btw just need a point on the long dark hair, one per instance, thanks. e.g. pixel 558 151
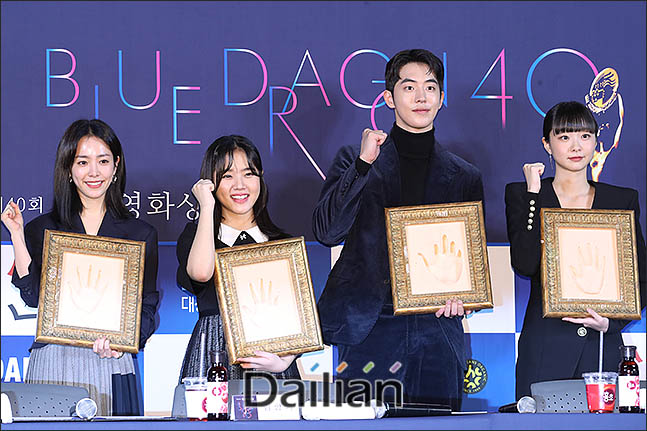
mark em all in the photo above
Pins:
pixel 566 117
pixel 218 159
pixel 67 203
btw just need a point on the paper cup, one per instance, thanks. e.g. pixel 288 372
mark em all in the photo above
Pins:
pixel 195 396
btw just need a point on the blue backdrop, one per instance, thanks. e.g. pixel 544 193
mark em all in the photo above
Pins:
pixel 301 79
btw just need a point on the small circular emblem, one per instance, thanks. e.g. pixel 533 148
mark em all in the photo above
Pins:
pixel 581 331
pixel 603 91
pixel 609 396
pixel 475 377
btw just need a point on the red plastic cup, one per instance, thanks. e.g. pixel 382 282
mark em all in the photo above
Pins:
pixel 600 391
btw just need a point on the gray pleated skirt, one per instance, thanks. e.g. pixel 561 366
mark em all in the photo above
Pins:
pixel 212 326
pixel 79 366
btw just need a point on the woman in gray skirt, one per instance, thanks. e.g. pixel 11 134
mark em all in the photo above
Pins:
pixel 89 182
pixel 232 196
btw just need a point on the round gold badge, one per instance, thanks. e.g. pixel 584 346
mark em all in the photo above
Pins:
pixel 475 377
pixel 604 90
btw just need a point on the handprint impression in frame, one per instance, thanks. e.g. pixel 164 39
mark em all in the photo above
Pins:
pixel 91 292
pixel 263 303
pixel 267 304
pixel 589 274
pixel 587 270
pixel 437 258
pixel 445 266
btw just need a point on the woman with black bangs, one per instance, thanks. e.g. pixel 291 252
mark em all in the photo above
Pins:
pixel 232 195
pixel 554 349
pixel 89 182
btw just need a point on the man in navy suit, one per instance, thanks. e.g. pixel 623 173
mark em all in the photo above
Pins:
pixel 406 167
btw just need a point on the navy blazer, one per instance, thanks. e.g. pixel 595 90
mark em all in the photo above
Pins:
pixel 351 210
pixel 130 228
pixel 549 348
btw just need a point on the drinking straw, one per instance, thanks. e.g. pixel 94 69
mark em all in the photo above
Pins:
pixel 600 355
pixel 203 343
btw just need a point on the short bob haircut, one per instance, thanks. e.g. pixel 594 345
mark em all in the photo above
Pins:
pixel 402 58
pixel 67 203
pixel 566 117
pixel 218 159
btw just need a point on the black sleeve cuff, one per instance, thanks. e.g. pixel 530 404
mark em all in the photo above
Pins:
pixel 361 166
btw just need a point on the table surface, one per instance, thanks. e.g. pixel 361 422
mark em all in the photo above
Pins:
pixel 571 421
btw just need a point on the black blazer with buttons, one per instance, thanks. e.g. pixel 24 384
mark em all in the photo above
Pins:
pixel 351 210
pixel 552 349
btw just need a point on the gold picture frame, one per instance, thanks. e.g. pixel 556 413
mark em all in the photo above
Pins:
pixel 78 304
pixel 266 299
pixel 589 260
pixel 438 252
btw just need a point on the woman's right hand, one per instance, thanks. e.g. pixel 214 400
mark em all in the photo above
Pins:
pixel 265 361
pixel 203 192
pixel 12 218
pixel 102 348
pixel 533 172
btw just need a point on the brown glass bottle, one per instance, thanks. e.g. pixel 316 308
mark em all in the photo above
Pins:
pixel 628 381
pixel 218 396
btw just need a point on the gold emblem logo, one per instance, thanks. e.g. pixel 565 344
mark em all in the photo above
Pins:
pixel 475 377
pixel 604 91
pixel 602 95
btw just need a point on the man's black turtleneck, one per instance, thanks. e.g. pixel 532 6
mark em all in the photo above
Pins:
pixel 415 151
